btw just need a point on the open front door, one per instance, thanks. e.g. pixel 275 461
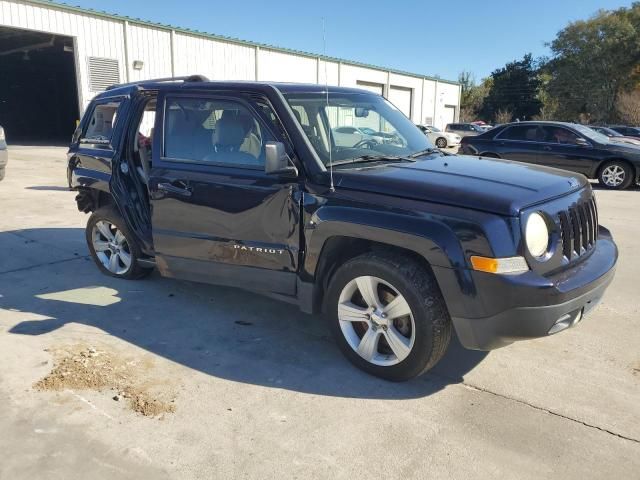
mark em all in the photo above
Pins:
pixel 216 216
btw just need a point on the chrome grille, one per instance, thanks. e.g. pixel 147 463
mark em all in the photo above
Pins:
pixel 578 228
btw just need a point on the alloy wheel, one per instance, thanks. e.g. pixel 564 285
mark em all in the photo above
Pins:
pixel 376 321
pixel 111 247
pixel 613 175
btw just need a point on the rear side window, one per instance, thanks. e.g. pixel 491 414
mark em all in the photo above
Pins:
pixel 526 133
pixel 100 128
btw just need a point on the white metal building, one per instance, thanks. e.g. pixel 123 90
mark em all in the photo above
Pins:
pixel 54 58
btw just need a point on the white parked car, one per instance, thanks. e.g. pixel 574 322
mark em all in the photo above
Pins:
pixel 439 138
pixel 352 136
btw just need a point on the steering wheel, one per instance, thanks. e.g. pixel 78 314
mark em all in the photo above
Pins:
pixel 365 143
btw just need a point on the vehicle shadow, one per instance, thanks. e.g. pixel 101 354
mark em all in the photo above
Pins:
pixel 223 332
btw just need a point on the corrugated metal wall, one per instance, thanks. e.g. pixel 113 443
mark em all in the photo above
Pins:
pixel 217 60
pixel 165 52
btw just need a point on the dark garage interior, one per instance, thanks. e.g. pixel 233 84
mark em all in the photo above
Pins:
pixel 38 89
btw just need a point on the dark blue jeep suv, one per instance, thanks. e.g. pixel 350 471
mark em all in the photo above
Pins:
pixel 244 184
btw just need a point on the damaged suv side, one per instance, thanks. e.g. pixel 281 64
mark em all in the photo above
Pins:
pixel 244 184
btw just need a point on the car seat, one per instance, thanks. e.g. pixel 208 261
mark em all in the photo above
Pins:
pixel 228 137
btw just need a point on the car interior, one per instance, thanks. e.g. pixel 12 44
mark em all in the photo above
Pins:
pixel 217 132
pixel 142 153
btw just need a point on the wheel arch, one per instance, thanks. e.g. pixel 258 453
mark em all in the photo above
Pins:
pixel 634 168
pixel 333 242
pixel 91 199
pixel 339 249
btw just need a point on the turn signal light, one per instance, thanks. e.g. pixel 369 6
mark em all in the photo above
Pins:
pixel 499 265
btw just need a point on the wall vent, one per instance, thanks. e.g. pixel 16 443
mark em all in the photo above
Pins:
pixel 103 72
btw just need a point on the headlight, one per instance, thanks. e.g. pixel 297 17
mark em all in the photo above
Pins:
pixel 537 235
pixel 1 134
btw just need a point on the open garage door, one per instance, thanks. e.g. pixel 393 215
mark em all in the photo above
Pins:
pixel 38 88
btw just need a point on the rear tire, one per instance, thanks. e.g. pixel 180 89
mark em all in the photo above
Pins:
pixel 112 246
pixel 616 175
pixel 441 142
pixel 395 342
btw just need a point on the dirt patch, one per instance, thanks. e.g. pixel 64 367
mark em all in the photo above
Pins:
pixel 635 368
pixel 89 368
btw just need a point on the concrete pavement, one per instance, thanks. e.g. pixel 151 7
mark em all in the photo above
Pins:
pixel 260 389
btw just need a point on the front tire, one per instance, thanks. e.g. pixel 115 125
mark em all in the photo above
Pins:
pixel 441 142
pixel 615 175
pixel 388 316
pixel 112 246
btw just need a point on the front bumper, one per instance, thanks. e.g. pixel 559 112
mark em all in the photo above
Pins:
pixel 529 306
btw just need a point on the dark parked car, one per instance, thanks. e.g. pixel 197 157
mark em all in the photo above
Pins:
pixel 464 129
pixel 398 244
pixel 561 145
pixel 3 153
pixel 626 131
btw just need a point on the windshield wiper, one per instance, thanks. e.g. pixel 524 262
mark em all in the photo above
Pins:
pixel 426 151
pixel 372 158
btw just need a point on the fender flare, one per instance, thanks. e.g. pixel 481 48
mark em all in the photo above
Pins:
pixel 427 236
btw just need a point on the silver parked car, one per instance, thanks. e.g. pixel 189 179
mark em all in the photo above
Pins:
pixel 464 129
pixel 3 153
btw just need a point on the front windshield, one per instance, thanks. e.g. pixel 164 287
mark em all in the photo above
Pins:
pixel 434 129
pixel 608 132
pixel 591 134
pixel 336 128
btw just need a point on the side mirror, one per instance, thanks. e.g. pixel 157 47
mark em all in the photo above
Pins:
pixel 277 162
pixel 581 142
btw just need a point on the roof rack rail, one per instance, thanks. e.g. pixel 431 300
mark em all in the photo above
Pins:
pixel 187 78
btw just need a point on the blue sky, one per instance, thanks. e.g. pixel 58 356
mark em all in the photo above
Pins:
pixel 428 37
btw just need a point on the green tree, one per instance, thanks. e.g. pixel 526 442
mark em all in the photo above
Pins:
pixel 472 96
pixel 514 89
pixel 593 61
pixel 549 103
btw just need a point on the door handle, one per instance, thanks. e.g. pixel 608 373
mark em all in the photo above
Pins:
pixel 183 190
pixel 547 148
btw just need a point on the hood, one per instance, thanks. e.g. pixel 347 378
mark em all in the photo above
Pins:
pixel 493 185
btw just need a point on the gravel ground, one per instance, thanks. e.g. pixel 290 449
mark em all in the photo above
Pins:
pixel 252 388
